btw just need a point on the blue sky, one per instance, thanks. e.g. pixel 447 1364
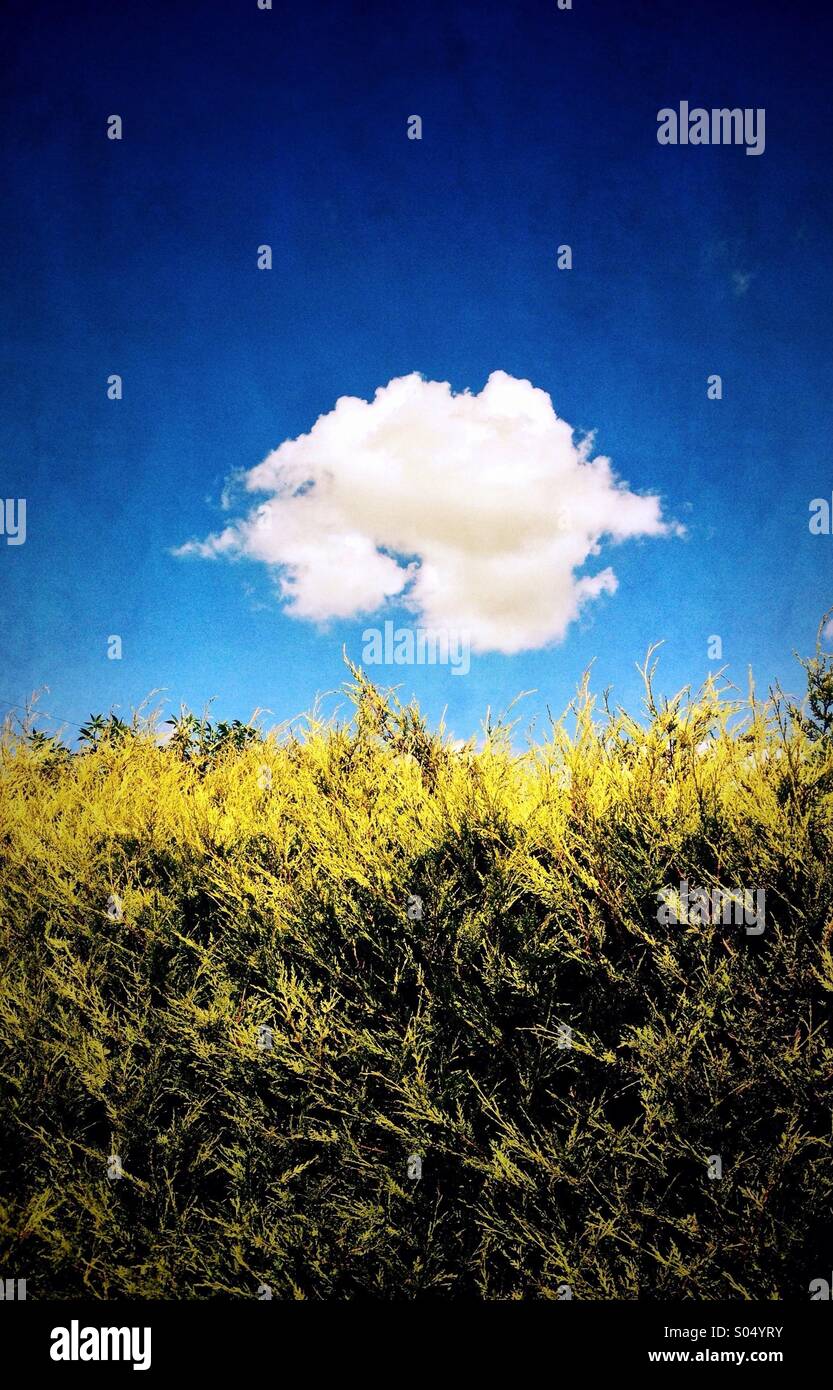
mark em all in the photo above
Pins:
pixel 391 256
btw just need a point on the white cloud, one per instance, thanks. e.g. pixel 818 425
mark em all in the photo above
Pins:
pixel 474 511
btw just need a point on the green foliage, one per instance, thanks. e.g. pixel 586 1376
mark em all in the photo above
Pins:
pixel 818 722
pixel 281 901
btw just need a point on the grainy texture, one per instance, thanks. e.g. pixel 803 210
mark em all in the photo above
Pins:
pixel 286 905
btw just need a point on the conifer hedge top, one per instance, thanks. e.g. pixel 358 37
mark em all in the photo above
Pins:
pixel 353 1011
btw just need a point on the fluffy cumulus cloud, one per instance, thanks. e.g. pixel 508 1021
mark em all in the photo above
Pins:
pixel 477 512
